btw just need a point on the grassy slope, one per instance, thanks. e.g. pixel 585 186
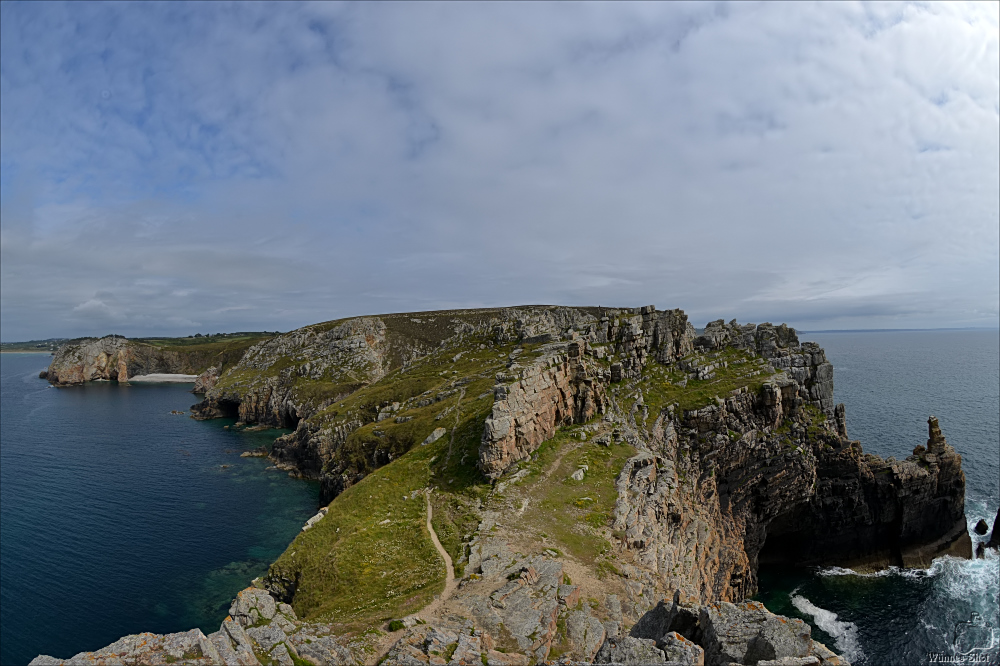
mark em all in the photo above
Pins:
pixel 562 512
pixel 372 570
pixel 371 558
pixel 198 354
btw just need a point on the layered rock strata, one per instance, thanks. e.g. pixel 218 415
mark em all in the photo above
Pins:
pixel 556 389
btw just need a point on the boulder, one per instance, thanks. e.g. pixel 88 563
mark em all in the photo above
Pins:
pixel 435 436
pixel 982 527
pixel 679 650
pixel 630 651
pixel 251 605
pixel 267 636
pixel 747 633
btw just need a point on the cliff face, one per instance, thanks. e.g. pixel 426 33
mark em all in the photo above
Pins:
pixel 90 359
pixel 118 358
pixel 297 380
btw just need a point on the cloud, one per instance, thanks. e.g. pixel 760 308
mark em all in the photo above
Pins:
pixel 210 166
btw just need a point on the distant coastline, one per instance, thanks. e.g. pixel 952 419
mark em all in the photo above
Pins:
pixel 898 330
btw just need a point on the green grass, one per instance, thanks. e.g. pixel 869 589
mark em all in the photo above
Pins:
pixel 210 342
pixel 660 388
pixel 572 513
pixel 196 355
pixel 368 570
pixel 353 567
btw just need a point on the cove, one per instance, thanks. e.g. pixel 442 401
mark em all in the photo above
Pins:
pixel 119 517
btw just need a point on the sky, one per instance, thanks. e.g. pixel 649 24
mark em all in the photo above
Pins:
pixel 176 168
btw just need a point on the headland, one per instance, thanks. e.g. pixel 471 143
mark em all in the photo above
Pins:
pixel 604 481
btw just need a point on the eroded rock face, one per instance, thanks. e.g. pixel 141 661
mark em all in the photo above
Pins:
pixel 116 358
pixel 555 389
pixel 702 508
pixel 206 381
pixel 90 359
pixel 561 387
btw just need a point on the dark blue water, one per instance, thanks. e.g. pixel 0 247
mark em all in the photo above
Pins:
pixel 890 382
pixel 118 517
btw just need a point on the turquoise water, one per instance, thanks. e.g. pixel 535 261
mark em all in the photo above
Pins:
pixel 118 517
pixel 890 382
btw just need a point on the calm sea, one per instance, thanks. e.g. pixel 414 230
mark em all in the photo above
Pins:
pixel 890 382
pixel 118 517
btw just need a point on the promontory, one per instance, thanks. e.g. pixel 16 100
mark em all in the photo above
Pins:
pixel 547 484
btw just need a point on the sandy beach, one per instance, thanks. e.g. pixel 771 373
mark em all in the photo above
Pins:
pixel 163 377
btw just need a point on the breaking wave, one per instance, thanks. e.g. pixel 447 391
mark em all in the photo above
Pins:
pixel 844 633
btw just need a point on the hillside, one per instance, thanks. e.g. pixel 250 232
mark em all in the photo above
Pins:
pixel 602 484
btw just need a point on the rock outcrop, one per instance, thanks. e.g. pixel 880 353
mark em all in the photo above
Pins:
pixel 206 381
pixel 92 359
pixel 555 389
pixel 720 491
pixel 117 358
pixel 259 630
pixel 994 541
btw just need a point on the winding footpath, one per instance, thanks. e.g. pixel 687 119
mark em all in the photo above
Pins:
pixel 449 582
pixel 388 640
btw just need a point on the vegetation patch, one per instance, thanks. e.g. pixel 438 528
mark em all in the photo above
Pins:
pixel 371 556
pixel 573 513
pixel 662 386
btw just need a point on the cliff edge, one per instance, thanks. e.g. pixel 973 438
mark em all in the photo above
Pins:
pixel 605 482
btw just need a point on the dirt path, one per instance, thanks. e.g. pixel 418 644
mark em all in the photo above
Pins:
pixel 449 582
pixel 388 640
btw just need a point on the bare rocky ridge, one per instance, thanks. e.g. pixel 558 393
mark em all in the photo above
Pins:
pixel 607 483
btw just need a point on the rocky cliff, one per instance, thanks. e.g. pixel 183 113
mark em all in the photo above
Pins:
pixel 551 484
pixel 117 358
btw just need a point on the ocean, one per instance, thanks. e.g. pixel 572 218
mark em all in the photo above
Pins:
pixel 890 382
pixel 119 517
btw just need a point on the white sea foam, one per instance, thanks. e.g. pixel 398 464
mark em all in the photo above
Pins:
pixel 889 571
pixel 969 579
pixel 845 634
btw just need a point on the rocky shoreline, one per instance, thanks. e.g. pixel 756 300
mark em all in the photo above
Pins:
pixel 730 453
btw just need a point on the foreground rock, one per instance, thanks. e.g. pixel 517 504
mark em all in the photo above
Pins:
pixel 261 631
pixel 257 631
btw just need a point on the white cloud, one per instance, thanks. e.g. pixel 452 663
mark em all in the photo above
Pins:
pixel 270 166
